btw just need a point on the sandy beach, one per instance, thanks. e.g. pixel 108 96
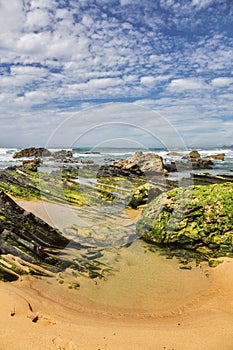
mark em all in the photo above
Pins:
pixel 192 310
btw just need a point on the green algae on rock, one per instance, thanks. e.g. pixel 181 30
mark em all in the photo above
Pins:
pixel 196 217
pixel 28 245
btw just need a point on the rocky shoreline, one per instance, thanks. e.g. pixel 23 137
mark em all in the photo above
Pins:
pixel 139 181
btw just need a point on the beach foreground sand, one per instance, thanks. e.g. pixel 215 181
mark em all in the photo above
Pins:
pixel 38 315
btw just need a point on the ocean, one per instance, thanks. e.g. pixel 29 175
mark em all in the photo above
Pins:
pixel 102 156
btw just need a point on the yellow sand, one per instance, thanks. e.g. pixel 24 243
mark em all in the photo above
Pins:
pixel 140 307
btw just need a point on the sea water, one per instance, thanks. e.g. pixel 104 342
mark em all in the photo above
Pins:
pixel 101 156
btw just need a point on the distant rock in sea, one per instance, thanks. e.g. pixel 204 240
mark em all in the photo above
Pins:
pixel 32 152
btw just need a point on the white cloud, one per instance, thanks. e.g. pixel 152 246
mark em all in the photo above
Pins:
pixel 222 81
pixel 42 4
pixel 37 19
pixel 202 3
pixel 149 80
pixel 11 16
pixel 57 57
pixel 187 84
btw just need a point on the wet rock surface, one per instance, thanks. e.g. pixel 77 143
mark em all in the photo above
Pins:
pixel 25 241
pixel 28 245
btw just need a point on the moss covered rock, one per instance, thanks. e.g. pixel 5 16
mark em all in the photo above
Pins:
pixel 191 217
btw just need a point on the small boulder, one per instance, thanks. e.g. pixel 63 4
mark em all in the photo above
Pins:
pixel 87 161
pixel 32 165
pixel 62 155
pixel 192 155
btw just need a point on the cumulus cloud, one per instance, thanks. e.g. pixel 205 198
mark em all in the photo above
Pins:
pixel 222 81
pixel 57 57
pixel 187 84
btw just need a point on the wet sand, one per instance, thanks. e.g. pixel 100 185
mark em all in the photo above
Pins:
pixel 147 303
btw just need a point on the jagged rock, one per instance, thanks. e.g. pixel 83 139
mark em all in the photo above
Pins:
pixel 220 156
pixel 147 162
pixel 27 226
pixel 62 155
pixel 192 155
pixel 170 167
pixel 68 160
pixel 115 171
pixel 191 217
pixel 27 243
pixel 196 162
pixel 32 152
pixel 32 165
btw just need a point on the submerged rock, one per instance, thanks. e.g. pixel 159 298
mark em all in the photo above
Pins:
pixel 192 217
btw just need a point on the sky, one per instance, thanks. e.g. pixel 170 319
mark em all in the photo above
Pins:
pixel 116 72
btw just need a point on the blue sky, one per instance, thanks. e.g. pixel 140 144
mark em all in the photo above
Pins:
pixel 116 70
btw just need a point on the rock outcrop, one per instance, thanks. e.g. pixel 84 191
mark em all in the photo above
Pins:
pixel 32 152
pixel 27 243
pixel 32 164
pixel 27 226
pixel 196 217
pixel 192 160
pixel 197 162
pixel 220 156
pixel 148 163
pixel 62 155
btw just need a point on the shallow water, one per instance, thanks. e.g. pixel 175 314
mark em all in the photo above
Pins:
pixel 137 279
pixel 144 282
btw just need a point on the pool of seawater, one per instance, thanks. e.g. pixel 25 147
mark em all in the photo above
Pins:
pixel 137 280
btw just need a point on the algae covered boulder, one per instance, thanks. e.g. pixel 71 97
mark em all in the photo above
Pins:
pixel 193 217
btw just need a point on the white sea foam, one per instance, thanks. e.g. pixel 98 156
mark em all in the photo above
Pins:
pixel 105 155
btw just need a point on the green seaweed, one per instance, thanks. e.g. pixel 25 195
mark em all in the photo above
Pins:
pixel 193 217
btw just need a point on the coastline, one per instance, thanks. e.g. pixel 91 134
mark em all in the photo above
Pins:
pixel 146 301
pixel 33 311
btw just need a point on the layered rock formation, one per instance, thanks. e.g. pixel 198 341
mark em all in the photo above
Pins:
pixel 27 243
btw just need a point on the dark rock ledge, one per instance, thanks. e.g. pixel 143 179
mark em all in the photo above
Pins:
pixel 26 237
